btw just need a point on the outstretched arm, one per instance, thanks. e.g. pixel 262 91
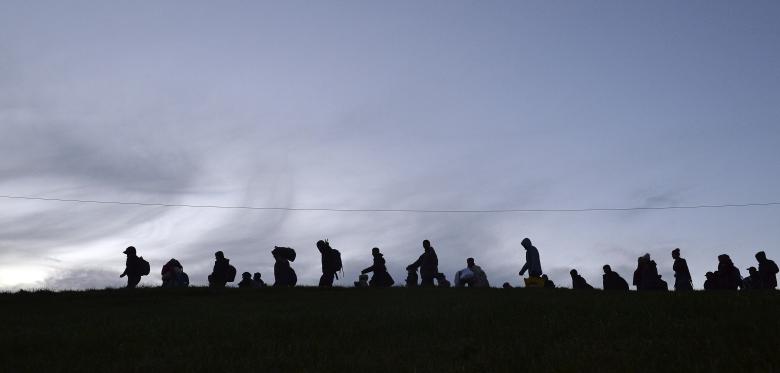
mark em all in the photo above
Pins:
pixel 415 265
pixel 369 269
pixel 525 268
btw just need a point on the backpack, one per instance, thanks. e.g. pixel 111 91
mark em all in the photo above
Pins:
pixel 143 266
pixel 230 275
pixel 333 262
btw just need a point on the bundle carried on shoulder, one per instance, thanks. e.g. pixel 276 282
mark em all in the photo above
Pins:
pixel 284 252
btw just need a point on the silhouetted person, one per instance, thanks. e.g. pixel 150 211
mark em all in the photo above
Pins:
pixel 441 280
pixel 532 263
pixel 548 283
pixel 728 275
pixel 380 278
pixel 682 276
pixel 246 281
pixel 257 280
pixel 646 275
pixel 331 263
pixel 133 268
pixel 428 263
pixel 411 278
pixel 220 274
pixel 767 271
pixel 612 280
pixel 578 282
pixel 362 281
pixel 472 276
pixel 711 282
pixel 284 275
pixel 753 280
pixel 173 275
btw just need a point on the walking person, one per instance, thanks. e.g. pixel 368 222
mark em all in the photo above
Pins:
pixel 682 276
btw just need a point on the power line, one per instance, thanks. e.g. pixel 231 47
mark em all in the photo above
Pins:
pixel 420 211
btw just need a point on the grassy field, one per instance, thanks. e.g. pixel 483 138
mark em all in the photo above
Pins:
pixel 393 330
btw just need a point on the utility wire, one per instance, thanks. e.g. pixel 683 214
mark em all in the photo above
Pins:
pixel 420 211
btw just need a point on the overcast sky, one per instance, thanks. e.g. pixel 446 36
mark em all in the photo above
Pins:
pixel 389 105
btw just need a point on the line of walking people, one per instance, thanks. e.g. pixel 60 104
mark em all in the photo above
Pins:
pixel 645 277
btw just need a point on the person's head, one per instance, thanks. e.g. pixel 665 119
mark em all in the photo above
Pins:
pixel 724 259
pixel 321 244
pixel 426 244
pixel 761 256
pixel 470 262
pixel 246 276
pixel 526 243
pixel 257 276
pixel 607 268
pixel 753 271
pixel 219 255
pixel 375 251
pixel 544 277
pixel 130 250
pixel 573 272
pixel 709 275
pixel 676 253
pixel 440 276
pixel 646 257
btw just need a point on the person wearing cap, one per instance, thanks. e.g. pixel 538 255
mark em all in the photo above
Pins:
pixel 532 263
pixel 132 268
pixel 753 280
pixel 682 276
pixel 767 271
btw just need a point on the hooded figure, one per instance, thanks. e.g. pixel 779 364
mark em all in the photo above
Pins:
pixel 132 268
pixel 682 276
pixel 284 275
pixel 532 263
pixel 711 281
pixel 767 271
pixel 380 278
pixel 428 263
pixel 257 280
pixel 728 275
pixel 613 281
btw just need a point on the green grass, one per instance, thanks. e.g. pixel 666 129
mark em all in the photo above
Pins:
pixel 393 330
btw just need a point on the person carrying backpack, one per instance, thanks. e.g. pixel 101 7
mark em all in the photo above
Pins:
pixel 767 271
pixel 331 263
pixel 223 272
pixel 380 278
pixel 135 267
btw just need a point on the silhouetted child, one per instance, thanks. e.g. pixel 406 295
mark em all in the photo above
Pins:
pixel 578 282
pixel 411 278
pixel 284 275
pixel 246 281
pixel 362 281
pixel 753 281
pixel 711 282
pixel 548 283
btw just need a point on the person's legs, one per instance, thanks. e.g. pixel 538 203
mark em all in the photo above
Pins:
pixel 132 281
pixel 427 281
pixel 326 280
